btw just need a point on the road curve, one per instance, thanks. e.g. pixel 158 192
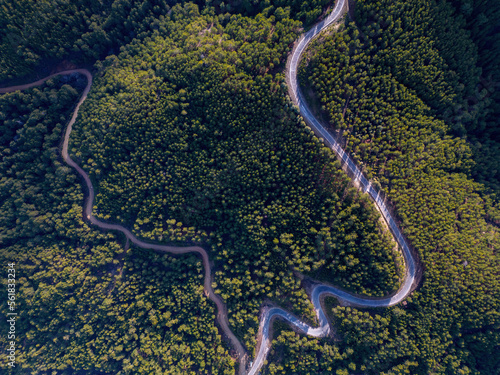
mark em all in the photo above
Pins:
pixel 318 290
pixel 87 211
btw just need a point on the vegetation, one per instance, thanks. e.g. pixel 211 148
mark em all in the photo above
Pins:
pixel 483 131
pixel 172 158
pixel 189 137
pixel 386 82
pixel 85 30
pixel 83 301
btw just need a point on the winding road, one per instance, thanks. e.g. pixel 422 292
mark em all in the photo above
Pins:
pixel 319 290
pixel 87 212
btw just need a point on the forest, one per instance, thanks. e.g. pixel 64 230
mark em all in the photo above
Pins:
pixel 39 34
pixel 86 301
pixel 189 137
pixel 254 184
pixel 389 94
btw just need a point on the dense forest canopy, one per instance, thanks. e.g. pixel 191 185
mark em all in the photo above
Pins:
pixel 196 140
pixel 84 30
pixel 400 99
pixel 84 301
pixel 189 137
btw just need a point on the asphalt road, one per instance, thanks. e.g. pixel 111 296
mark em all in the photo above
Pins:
pixel 320 290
